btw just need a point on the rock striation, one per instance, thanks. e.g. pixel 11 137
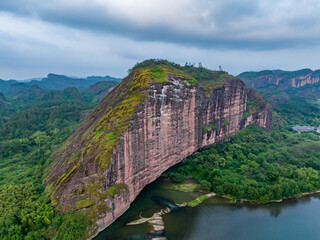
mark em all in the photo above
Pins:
pixel 280 86
pixel 156 117
pixel 280 80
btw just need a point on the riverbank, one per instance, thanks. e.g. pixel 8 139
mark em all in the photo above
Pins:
pixel 232 200
pixel 197 201
pixel 156 221
pixel 188 186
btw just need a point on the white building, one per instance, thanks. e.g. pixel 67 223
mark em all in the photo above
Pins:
pixel 304 129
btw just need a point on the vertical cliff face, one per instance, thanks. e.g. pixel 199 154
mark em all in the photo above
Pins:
pixel 280 79
pixel 108 161
pixel 301 81
pixel 280 86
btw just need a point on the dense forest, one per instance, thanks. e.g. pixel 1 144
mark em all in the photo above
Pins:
pixel 256 165
pixel 259 165
pixel 38 122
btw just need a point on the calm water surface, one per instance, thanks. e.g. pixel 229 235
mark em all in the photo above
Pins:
pixel 217 219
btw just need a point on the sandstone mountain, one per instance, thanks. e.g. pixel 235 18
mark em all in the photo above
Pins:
pixel 157 116
pixel 279 86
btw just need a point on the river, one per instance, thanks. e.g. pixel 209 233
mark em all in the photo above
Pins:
pixel 216 218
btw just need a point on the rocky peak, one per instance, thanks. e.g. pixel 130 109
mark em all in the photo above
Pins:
pixel 157 116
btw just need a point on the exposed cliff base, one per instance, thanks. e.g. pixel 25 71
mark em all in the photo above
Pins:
pixel 154 118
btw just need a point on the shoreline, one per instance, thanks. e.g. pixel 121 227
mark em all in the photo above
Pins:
pixel 157 224
pixel 157 215
pixel 197 201
pixel 271 201
pixel 230 198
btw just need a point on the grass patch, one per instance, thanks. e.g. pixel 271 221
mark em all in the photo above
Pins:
pixel 197 201
pixel 158 74
pixel 185 187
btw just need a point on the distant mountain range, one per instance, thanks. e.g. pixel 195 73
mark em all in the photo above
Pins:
pixel 52 90
pixel 279 86
pixel 11 88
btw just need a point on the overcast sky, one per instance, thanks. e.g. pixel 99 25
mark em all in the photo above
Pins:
pixel 107 37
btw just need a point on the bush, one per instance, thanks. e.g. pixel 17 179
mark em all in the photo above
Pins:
pixel 205 186
pixel 178 178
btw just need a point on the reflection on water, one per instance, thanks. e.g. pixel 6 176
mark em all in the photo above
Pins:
pixel 218 219
pixel 153 198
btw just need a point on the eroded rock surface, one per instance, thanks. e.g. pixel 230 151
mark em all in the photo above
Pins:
pixel 173 120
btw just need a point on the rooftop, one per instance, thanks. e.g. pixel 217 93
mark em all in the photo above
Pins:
pixel 305 129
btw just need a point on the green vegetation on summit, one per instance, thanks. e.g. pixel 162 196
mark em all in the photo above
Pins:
pixel 205 78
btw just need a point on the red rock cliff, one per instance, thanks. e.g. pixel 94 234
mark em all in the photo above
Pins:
pixel 172 121
pixel 280 79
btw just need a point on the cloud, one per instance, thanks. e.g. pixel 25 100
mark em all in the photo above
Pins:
pixel 85 37
pixel 230 24
pixel 31 47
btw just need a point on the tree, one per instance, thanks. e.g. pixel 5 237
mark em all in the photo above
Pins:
pixel 40 138
pixel 205 186
pixel 74 227
pixel 178 178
